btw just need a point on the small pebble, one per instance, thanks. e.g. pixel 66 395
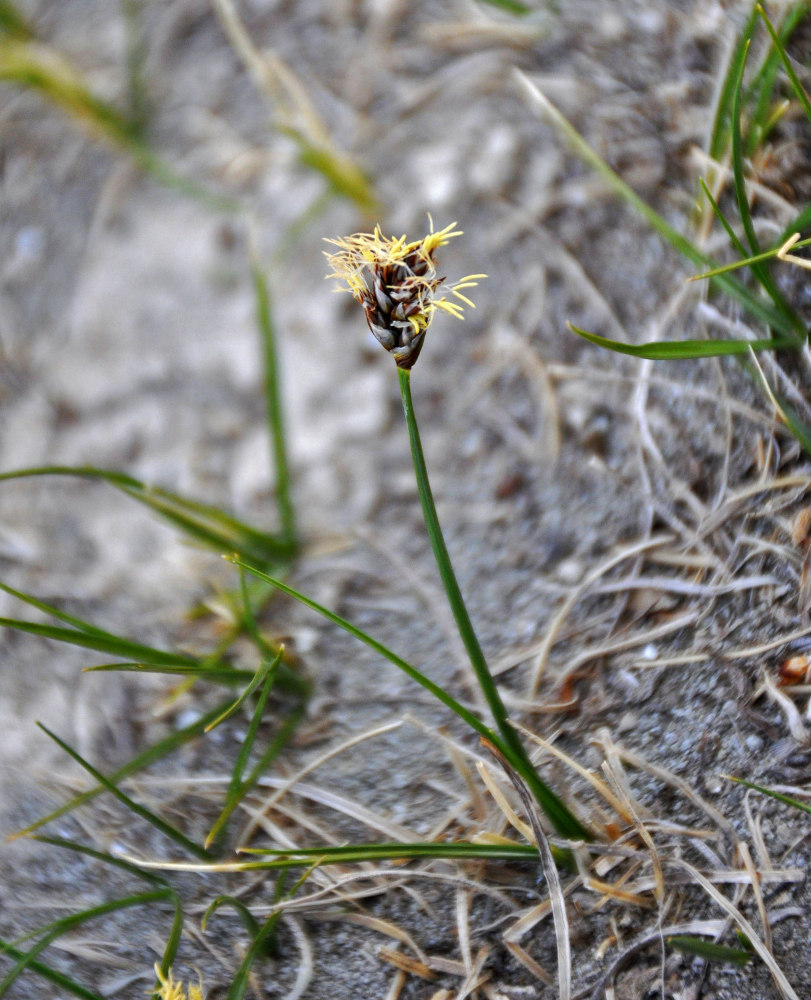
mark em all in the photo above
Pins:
pixel 714 784
pixel 570 570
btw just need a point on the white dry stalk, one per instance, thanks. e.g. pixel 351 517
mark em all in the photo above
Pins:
pixel 574 663
pixel 475 978
pixel 463 927
pixel 675 586
pixel 556 895
pixel 783 253
pixel 637 761
pixel 793 717
pixel 304 968
pixel 612 768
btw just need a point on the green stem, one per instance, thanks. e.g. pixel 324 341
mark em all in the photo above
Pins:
pixel 275 409
pixel 510 743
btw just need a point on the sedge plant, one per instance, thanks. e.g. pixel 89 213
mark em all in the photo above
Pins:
pixel 396 283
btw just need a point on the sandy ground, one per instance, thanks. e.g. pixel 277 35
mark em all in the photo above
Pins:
pixel 129 342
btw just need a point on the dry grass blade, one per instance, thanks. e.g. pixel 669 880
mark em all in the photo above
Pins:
pixel 748 864
pixel 600 989
pixel 305 965
pixel 313 765
pixel 413 966
pixel 501 801
pixel 616 776
pixel 594 780
pixel 535 968
pixel 794 719
pixel 626 552
pixel 782 983
pixel 295 111
pixel 638 761
pixel 556 896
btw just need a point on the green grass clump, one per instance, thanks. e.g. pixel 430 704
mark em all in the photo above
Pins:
pixel 747 113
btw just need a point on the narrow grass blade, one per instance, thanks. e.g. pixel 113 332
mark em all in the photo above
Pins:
pixel 172 939
pixel 275 410
pixel 55 930
pixel 472 720
pixel 262 942
pixel 281 739
pixel 247 618
pixel 739 185
pixel 353 853
pixel 264 675
pixel 59 979
pixel 295 113
pixel 733 238
pixel 759 270
pixel 28 63
pixel 800 10
pixel 239 788
pixel 39 67
pixel 344 177
pixel 719 138
pixel 258 946
pixel 77 623
pixel 710 951
pixel 787 799
pixel 565 822
pixel 134 807
pixel 251 924
pixel 760 94
pixel 671 350
pixel 115 646
pixel 511 6
pixel 557 900
pixel 202 522
pixel 798 427
pixel 156 752
pixel 228 676
pixel 746 261
pixel 135 55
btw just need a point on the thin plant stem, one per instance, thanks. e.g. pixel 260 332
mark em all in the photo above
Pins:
pixel 559 815
pixel 275 409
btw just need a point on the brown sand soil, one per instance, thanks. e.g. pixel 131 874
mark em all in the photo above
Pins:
pixel 624 525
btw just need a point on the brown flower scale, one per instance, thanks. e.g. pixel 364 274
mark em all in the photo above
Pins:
pixel 396 283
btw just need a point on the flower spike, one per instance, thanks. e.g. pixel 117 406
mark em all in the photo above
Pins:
pixel 396 282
